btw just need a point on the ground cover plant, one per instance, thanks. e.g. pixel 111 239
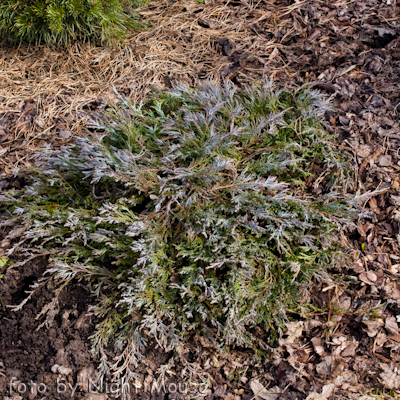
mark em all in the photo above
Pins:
pixel 202 211
pixel 59 21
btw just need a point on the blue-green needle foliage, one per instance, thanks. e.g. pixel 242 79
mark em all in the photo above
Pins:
pixel 59 21
pixel 192 213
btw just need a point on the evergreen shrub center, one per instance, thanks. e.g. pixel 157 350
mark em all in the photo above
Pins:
pixel 205 211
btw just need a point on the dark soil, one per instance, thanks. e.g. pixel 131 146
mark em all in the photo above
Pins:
pixel 27 353
pixel 352 52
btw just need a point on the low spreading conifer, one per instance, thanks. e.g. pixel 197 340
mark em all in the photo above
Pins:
pixel 204 211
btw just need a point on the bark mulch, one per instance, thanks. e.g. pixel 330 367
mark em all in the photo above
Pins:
pixel 349 346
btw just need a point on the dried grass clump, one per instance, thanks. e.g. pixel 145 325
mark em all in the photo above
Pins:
pixel 191 214
pixel 66 86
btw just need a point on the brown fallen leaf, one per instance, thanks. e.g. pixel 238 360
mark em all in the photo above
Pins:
pixel 343 302
pixel 390 376
pixel 325 367
pixel 371 278
pixel 392 290
pixel 220 391
pixel 368 277
pixel 391 325
pixel 373 203
pixel 380 340
pixel 327 392
pixel 294 330
pixel 318 345
pixel 316 396
pixel 358 266
pixel 373 326
pixel 350 350
pixel 260 392
pixel 363 151
pixel 396 338
pixel 367 160
pixel 385 161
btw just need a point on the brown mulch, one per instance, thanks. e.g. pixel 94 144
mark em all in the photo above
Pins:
pixel 350 344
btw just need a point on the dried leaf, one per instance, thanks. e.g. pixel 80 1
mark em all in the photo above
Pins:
pixel 390 377
pixel 327 392
pixel 294 331
pixel 373 326
pixel 368 277
pixel 318 345
pixel 260 392
pixel 381 339
pixel 350 350
pixel 371 277
pixel 326 366
pixel 358 266
pixel 316 396
pixel 391 325
pixel 385 161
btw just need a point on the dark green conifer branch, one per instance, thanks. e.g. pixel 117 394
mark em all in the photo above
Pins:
pixel 59 21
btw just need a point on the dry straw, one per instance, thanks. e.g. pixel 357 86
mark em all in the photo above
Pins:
pixel 180 43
